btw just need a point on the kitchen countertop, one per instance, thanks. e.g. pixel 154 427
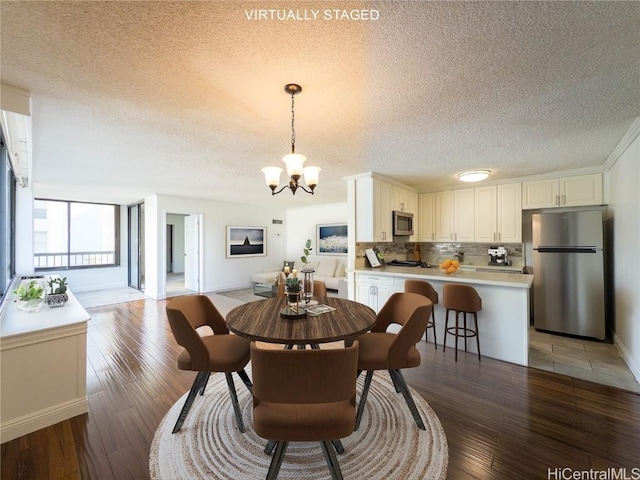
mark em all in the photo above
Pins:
pixel 512 280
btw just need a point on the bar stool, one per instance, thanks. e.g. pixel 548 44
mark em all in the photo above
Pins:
pixel 461 299
pixel 425 289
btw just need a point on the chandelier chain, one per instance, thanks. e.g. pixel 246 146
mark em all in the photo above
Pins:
pixel 293 127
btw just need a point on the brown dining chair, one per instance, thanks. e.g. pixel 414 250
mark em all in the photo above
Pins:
pixel 425 289
pixel 304 396
pixel 381 350
pixel 220 352
pixel 319 289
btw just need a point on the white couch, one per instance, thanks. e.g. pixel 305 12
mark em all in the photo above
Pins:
pixel 329 271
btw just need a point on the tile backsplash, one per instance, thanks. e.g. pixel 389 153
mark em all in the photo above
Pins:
pixel 430 251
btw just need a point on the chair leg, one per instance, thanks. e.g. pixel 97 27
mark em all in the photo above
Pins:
pixel 475 317
pixel 198 383
pixel 332 460
pixel 433 325
pixel 204 384
pixel 446 327
pixel 394 382
pixel 276 461
pixel 363 398
pixel 288 347
pixel 408 398
pixel 337 444
pixel 246 380
pixel 464 315
pixel 234 401
pixel 268 448
pixel 457 333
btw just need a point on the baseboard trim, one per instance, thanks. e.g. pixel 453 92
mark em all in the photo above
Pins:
pixel 627 357
pixel 43 418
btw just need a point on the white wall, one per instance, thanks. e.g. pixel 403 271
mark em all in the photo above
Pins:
pixel 301 225
pixel 624 205
pixel 220 273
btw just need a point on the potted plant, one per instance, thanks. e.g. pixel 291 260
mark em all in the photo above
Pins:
pixel 57 295
pixel 293 289
pixel 30 295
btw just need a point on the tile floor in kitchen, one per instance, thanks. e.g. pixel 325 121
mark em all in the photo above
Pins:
pixel 596 361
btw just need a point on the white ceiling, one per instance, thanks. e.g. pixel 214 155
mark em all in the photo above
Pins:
pixel 186 98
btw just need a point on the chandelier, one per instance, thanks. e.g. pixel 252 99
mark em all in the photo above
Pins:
pixel 294 161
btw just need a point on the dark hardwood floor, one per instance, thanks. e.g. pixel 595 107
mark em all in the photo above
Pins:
pixel 502 421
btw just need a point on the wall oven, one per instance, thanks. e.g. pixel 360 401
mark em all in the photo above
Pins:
pixel 402 223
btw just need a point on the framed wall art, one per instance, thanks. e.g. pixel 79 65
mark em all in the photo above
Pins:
pixel 331 239
pixel 246 242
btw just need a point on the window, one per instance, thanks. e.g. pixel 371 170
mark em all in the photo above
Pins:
pixel 7 220
pixel 75 235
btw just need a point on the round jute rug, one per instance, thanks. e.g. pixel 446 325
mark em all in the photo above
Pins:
pixel 388 444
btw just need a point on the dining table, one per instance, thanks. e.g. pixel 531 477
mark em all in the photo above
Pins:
pixel 262 321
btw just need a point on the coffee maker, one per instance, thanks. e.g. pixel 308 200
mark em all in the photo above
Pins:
pixel 497 256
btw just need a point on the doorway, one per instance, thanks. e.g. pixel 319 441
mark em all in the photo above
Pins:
pixel 182 240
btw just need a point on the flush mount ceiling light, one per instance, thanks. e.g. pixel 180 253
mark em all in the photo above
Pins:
pixel 294 161
pixel 473 176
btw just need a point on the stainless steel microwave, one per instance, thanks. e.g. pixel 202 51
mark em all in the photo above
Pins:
pixel 402 223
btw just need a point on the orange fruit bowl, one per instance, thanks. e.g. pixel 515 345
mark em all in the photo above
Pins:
pixel 449 266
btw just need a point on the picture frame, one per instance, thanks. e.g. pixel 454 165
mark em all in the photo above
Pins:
pixel 246 241
pixel 331 239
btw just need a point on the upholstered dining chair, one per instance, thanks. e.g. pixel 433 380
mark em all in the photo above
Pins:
pixel 220 352
pixel 319 289
pixel 382 350
pixel 425 289
pixel 304 396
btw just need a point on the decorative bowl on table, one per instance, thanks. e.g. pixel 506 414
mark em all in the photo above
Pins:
pixel 449 266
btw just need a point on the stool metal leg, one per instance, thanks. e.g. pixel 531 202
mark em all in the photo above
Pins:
pixel 475 317
pixel 433 325
pixel 446 327
pixel 464 314
pixel 457 333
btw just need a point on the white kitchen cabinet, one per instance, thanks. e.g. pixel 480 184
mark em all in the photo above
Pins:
pixel 374 290
pixel 455 216
pixel 464 215
pixel 413 203
pixel 382 212
pixel 444 221
pixel 572 191
pixel 498 213
pixel 374 212
pixel 427 232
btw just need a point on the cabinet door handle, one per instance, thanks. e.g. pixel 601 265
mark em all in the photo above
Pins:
pixel 557 199
pixel 564 199
pixel 433 236
pixel 499 236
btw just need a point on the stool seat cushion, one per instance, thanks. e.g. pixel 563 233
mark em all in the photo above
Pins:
pixel 376 353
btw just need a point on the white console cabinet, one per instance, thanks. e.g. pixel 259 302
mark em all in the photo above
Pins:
pixel 43 357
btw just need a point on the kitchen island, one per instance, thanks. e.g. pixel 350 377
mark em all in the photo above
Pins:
pixel 43 356
pixel 503 321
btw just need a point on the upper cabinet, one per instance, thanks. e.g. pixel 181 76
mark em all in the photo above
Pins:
pixel 498 214
pixel 454 216
pixel 563 192
pixel 374 211
pixel 427 232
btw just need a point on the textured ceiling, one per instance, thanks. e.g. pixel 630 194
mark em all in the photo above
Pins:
pixel 185 98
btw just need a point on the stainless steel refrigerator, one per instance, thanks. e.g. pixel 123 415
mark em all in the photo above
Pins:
pixel 568 268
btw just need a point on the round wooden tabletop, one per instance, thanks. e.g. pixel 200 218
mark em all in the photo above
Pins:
pixel 261 321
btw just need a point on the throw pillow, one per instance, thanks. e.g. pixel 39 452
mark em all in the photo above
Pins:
pixel 326 268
